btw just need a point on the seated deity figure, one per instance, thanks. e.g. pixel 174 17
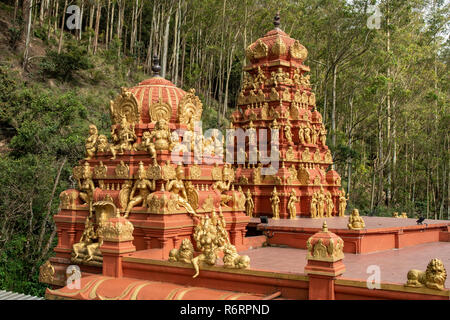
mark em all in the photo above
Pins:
pixel 124 137
pixel 177 187
pixel 291 205
pixel 93 249
pixel 86 186
pixel 104 146
pixel 161 136
pixel 146 144
pixel 143 186
pixel 355 222
pixel 86 238
pixel 91 142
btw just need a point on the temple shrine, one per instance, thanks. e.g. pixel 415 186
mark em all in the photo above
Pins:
pixel 160 213
pixel 276 94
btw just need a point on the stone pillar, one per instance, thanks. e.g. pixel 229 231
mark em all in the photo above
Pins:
pixel 325 255
pixel 117 241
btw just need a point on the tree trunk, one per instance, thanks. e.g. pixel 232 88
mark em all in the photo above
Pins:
pixel 97 25
pixel 28 4
pixel 165 46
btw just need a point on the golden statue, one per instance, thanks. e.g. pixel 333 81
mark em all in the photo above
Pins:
pixel 146 145
pixel 275 201
pixel 395 215
pixel 144 186
pixel 124 137
pixel 104 146
pixel 287 132
pixel 434 277
pixel 404 215
pixel 162 135
pixel 184 254
pixel 307 134
pixel 355 222
pixel 86 186
pixel 314 206
pixel 291 205
pixel 329 205
pixel 323 135
pixel 320 203
pixel 231 259
pixel 87 249
pixel 91 142
pixel 249 204
pixel 176 186
pixel 342 203
pixel 301 135
pixel 211 236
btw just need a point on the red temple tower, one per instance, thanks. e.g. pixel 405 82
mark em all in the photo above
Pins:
pixel 276 94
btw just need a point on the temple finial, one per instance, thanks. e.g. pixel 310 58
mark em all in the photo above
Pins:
pixel 276 20
pixel 156 68
pixel 324 226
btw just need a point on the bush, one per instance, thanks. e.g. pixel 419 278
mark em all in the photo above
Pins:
pixel 64 65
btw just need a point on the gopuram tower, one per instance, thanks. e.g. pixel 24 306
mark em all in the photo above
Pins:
pixel 276 94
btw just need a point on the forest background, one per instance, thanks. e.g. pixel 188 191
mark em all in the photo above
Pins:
pixel 383 91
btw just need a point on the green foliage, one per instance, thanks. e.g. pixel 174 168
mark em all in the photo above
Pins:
pixel 64 65
pixel 14 36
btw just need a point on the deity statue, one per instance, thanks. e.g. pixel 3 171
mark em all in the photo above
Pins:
pixel 124 136
pixel 291 205
pixel 176 186
pixel 162 136
pixel 320 204
pixel 355 222
pixel 314 135
pixel 329 204
pixel 404 215
pixel 146 144
pixel 143 186
pixel 395 215
pixel 323 135
pixel 91 142
pixel 275 201
pixel 307 134
pixel 279 77
pixel 104 146
pixel 314 206
pixel 87 238
pixel 86 186
pixel 287 133
pixel 301 135
pixel 249 204
pixel 87 248
pixel 342 203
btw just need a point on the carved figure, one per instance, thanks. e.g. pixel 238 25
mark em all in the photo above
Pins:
pixel 275 201
pixel 249 204
pixel 143 186
pixel 91 142
pixel 184 254
pixel 291 205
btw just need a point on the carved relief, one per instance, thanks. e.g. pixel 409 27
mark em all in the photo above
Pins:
pixel 125 105
pixel 190 108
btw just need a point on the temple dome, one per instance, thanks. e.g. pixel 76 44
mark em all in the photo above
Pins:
pixel 276 44
pixel 155 99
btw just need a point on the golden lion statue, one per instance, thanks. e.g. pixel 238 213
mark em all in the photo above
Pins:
pixel 232 259
pixel 184 254
pixel 434 277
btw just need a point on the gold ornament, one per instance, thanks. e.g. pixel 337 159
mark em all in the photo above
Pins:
pixel 143 187
pixel 190 108
pixel 160 111
pixel 279 47
pixel 195 172
pixel 122 170
pixel 298 51
pixel 118 231
pixel 46 272
pixel 258 51
pixel 91 142
pixel 100 171
pixel 125 106
pixel 184 254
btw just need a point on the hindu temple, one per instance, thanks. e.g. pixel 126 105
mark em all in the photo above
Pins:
pixel 159 212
